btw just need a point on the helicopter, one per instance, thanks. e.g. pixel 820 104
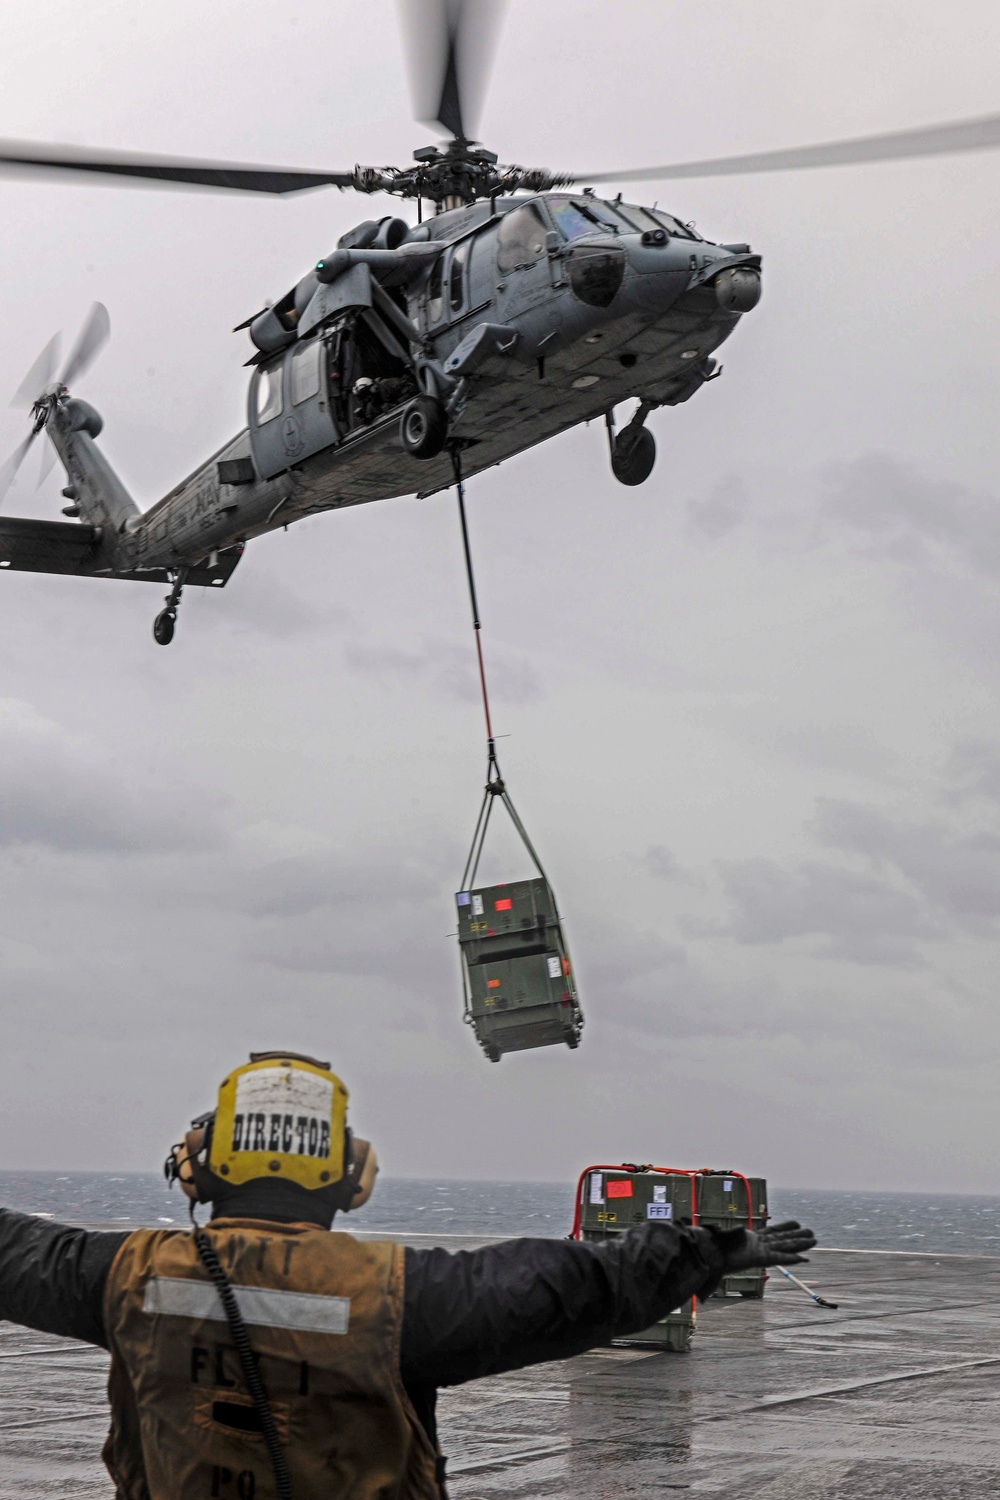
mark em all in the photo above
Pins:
pixel 415 354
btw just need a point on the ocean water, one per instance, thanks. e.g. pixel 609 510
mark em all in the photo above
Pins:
pixel 936 1222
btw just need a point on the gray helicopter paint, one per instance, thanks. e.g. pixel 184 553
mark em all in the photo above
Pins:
pixel 664 313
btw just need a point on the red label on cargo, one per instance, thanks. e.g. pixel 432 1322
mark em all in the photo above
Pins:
pixel 620 1188
pixel 504 905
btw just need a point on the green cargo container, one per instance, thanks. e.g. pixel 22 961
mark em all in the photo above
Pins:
pixel 516 971
pixel 729 1200
pixel 612 1199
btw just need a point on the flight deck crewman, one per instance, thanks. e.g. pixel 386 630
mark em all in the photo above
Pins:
pixel 264 1356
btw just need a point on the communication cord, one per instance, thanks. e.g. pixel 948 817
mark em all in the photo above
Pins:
pixel 247 1359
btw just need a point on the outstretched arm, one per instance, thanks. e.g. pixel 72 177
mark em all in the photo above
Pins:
pixel 480 1312
pixel 52 1277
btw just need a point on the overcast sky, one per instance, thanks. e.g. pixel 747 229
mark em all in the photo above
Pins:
pixel 751 706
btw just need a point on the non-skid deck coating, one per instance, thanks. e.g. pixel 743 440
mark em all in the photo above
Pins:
pixel 897 1394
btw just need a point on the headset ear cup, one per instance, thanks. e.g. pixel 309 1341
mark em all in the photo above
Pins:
pixel 195 1179
pixel 364 1170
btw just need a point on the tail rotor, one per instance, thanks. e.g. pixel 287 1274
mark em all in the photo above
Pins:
pixel 41 391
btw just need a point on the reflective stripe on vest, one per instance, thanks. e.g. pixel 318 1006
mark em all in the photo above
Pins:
pixel 259 1305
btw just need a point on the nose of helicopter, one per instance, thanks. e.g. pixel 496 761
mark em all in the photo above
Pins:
pixel 659 271
pixel 663 268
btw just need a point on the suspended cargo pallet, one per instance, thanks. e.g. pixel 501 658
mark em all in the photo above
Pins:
pixel 517 978
pixel 610 1200
pixel 516 971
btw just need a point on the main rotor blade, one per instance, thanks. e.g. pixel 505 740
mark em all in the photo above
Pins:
pixel 13 463
pixel 93 336
pixel 450 44
pixel 40 161
pixel 41 374
pixel 932 140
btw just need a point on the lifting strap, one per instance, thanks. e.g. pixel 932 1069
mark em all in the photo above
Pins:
pixel 495 784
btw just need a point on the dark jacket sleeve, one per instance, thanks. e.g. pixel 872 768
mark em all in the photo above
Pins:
pixel 479 1312
pixel 52 1277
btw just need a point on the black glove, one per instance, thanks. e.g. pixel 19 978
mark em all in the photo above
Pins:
pixel 777 1245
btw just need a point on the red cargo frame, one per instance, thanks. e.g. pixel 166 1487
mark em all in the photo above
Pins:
pixel 631 1167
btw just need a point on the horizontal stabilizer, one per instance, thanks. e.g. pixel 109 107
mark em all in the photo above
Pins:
pixel 28 546
pixel 48 546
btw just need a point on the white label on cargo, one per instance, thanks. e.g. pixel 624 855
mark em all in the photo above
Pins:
pixel 660 1192
pixel 727 1186
pixel 555 967
pixel 477 906
pixel 596 1188
pixel 659 1210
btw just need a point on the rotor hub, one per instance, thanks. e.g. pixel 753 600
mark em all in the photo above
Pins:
pixel 461 173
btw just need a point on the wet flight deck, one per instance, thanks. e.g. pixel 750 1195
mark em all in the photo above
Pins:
pixel 896 1394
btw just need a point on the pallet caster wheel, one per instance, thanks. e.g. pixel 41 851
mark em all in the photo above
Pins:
pixel 423 427
pixel 163 627
pixel 633 455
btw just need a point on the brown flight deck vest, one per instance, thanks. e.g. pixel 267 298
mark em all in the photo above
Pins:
pixel 324 1313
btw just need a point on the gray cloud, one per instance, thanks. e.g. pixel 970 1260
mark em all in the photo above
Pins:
pixel 861 919
pixel 973 769
pixel 720 509
pixel 663 865
pixel 64 793
pixel 956 873
pixel 209 848
pixel 267 604
pixel 837 747
pixel 622 960
pixel 907 516
pixel 448 670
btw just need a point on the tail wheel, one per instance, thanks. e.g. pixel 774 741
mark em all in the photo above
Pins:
pixel 423 427
pixel 633 455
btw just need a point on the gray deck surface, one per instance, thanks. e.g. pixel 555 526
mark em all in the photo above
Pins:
pixel 895 1394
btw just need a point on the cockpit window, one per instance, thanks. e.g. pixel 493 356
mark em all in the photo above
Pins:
pixel 685 231
pixel 576 218
pixel 571 221
pixel 654 218
pixel 268 394
pixel 521 237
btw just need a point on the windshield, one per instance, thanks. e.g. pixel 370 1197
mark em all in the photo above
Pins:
pixel 656 218
pixel 577 217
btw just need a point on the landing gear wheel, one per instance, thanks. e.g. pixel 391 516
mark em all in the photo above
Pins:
pixel 633 455
pixel 423 427
pixel 163 627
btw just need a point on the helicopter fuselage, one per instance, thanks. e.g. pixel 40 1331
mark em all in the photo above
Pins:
pixel 535 315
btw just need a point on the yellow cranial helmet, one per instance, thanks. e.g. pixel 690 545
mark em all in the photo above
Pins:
pixel 281 1116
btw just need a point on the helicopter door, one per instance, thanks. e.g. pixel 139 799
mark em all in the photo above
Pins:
pixel 289 409
pixel 522 261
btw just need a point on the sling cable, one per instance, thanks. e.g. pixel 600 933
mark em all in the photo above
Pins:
pixel 517 979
